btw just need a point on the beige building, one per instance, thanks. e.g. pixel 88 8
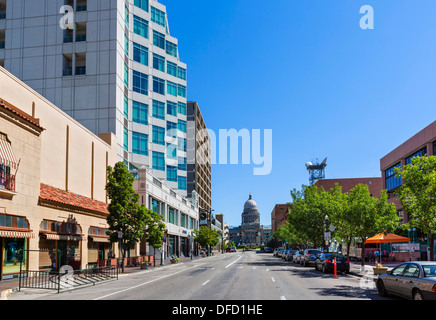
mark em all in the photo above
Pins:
pixel 52 184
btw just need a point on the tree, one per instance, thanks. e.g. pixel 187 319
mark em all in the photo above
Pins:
pixel 154 230
pixel 206 237
pixel 370 216
pixel 126 215
pixel 418 196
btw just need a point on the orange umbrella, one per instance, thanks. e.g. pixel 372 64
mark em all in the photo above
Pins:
pixel 387 238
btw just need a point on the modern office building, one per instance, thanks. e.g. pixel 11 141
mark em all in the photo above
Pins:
pixel 110 64
pixel 199 157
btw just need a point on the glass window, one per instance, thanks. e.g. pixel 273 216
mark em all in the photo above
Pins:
pixel 158 17
pixel 172 68
pixel 171 129
pixel 172 173
pixel 143 4
pixel 126 15
pixel 159 135
pixel 126 107
pixel 181 125
pixel 158 62
pixel 140 143
pixel 171 215
pixel 158 39
pixel 171 49
pixel 140 112
pixel 126 75
pixel 140 26
pixel 171 151
pixel 181 91
pixel 181 183
pixel 181 144
pixel 126 139
pixel 172 108
pixel 412 271
pixel 181 164
pixel 398 271
pixel 172 88
pixel 158 110
pixel 181 108
pixel 181 73
pixel 158 85
pixel 158 161
pixel 392 181
pixel 140 82
pixel 126 44
pixel 420 153
pixel 140 54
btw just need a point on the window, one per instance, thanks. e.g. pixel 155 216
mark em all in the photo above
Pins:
pixel 181 108
pixel 181 125
pixel 171 129
pixel 140 82
pixel 172 88
pixel 420 153
pixel 159 85
pixel 172 69
pixel 181 164
pixel 158 17
pixel 8 221
pixel 181 144
pixel 183 218
pixel 171 173
pixel 140 54
pixel 158 39
pixel 143 4
pixel 126 139
pixel 158 110
pixel 140 26
pixel 140 143
pixel 171 215
pixel 126 75
pixel 392 181
pixel 158 62
pixel 126 107
pixel 412 271
pixel 171 49
pixel 181 183
pixel 126 44
pixel 181 73
pixel 181 91
pixel 159 135
pixel 171 108
pixel 158 161
pixel 171 151
pixel 126 15
pixel 139 113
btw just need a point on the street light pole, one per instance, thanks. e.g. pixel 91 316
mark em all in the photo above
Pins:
pixel 326 232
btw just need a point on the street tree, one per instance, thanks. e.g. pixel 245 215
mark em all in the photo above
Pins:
pixel 206 237
pixel 418 196
pixel 127 219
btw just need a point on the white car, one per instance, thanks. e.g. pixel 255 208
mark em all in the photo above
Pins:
pixel 233 249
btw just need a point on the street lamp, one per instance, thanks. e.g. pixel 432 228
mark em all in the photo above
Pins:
pixel 326 232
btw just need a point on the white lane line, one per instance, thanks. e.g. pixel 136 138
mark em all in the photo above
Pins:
pixel 142 284
pixel 273 280
pixel 205 282
pixel 282 298
pixel 234 262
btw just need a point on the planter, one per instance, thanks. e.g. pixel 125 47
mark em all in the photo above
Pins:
pixel 380 270
pixel 145 266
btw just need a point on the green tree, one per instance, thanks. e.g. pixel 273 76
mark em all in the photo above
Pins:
pixel 126 215
pixel 206 237
pixel 418 196
pixel 154 230
pixel 369 216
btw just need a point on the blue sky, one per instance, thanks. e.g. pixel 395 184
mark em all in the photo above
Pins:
pixel 306 70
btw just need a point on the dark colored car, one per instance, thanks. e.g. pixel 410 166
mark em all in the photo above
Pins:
pixel 289 255
pixel 309 257
pixel 325 262
pixel 297 255
pixel 412 280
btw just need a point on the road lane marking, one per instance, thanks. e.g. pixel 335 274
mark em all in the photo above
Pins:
pixel 273 280
pixel 233 262
pixel 205 282
pixel 282 298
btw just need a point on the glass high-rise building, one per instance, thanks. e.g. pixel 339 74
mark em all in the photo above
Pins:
pixel 110 64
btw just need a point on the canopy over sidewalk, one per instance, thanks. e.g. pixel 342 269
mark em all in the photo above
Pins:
pixel 387 238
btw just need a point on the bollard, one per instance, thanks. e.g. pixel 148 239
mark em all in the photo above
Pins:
pixel 334 261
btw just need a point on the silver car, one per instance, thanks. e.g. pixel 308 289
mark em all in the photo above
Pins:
pixel 412 280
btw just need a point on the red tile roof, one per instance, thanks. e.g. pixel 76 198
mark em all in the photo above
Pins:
pixel 20 113
pixel 57 195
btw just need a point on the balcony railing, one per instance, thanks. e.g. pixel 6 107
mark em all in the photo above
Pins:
pixel 7 181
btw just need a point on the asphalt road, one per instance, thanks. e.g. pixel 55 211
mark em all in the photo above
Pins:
pixel 232 276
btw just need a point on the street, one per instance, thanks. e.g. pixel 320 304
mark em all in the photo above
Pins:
pixel 232 276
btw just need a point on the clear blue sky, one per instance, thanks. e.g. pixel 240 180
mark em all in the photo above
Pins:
pixel 306 70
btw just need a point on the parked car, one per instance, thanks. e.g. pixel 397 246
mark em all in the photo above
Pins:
pixel 228 249
pixel 233 249
pixel 297 255
pixel 268 250
pixel 412 280
pixel 275 251
pixel 284 253
pixel 309 257
pixel 280 252
pixel 325 262
pixel 289 255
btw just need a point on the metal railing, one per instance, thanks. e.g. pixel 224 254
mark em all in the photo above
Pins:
pixel 68 279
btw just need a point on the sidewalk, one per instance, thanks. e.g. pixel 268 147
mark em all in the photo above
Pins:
pixel 367 270
pixel 12 285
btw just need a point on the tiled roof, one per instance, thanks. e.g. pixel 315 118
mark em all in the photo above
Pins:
pixel 20 113
pixel 57 195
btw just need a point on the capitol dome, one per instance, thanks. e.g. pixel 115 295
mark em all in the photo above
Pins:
pixel 250 204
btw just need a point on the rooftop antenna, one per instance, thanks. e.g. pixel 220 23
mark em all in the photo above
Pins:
pixel 316 171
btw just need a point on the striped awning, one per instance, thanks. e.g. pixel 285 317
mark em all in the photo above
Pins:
pixel 16 234
pixel 51 236
pixel 7 156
